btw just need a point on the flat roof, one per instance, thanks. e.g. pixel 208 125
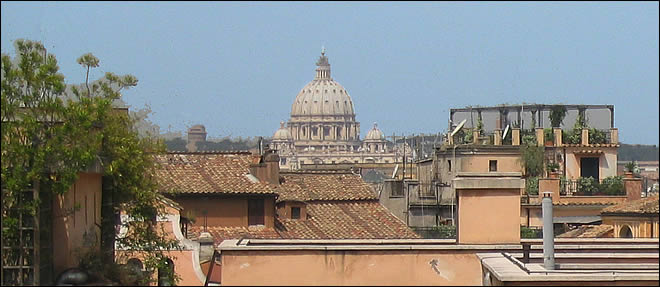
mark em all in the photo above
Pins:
pixel 506 268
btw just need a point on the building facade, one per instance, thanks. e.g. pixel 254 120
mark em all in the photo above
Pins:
pixel 323 129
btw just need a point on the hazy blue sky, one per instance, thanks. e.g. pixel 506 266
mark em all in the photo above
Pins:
pixel 237 67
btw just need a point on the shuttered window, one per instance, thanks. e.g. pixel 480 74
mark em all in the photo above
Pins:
pixel 256 211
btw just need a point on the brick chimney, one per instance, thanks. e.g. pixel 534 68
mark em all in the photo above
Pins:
pixel 268 168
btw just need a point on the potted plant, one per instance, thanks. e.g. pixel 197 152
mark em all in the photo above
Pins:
pixel 548 136
pixel 552 168
pixel 629 169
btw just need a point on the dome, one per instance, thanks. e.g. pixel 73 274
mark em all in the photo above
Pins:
pixel 323 96
pixel 375 134
pixel 282 133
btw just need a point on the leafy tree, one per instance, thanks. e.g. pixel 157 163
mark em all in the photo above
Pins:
pixel 51 132
pixel 532 159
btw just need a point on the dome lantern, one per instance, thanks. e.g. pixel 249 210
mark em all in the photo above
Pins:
pixel 323 70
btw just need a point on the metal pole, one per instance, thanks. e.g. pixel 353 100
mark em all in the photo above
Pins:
pixel 548 233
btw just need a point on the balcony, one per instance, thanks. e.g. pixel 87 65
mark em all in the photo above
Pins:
pixel 610 186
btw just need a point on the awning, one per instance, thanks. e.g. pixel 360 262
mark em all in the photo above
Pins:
pixel 576 219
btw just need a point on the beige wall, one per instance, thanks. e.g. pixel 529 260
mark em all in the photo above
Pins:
pixel 372 267
pixel 641 227
pixel 607 162
pixel 76 220
pixel 488 216
pixel 224 211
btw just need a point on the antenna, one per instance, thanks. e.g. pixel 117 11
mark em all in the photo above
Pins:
pixel 460 125
pixel 506 130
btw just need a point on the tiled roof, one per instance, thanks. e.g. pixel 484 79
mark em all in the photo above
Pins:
pixel 648 205
pixel 223 233
pixel 568 202
pixel 209 173
pixel 326 220
pixel 324 186
pixel 588 231
pixel 364 219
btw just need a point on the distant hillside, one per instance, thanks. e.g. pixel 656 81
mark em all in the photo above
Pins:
pixel 637 152
pixel 225 144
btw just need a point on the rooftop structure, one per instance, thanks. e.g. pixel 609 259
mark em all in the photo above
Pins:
pixel 323 129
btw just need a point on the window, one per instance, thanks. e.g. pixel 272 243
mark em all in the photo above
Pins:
pixel 283 161
pixel 256 211
pixel 397 189
pixel 492 165
pixel 295 212
pixel 449 163
pixel 315 131
pixel 326 131
pixel 625 232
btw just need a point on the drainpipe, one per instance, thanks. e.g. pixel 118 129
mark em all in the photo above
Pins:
pixel 548 233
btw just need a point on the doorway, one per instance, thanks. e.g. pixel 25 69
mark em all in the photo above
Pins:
pixel 589 167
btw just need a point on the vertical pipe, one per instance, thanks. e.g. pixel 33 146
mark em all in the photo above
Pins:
pixel 548 233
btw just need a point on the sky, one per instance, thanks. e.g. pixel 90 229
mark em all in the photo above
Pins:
pixel 236 67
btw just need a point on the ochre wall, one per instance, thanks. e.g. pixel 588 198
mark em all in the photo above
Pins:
pixel 488 216
pixel 479 163
pixel 369 267
pixel 183 260
pixel 226 211
pixel 183 265
pixel 74 228
pixel 641 227
pixel 284 209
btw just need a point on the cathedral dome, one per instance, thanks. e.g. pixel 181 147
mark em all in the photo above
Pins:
pixel 323 96
pixel 375 134
pixel 282 133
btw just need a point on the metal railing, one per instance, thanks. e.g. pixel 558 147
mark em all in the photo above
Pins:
pixel 591 187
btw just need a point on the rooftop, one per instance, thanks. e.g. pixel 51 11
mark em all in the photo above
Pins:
pixel 209 173
pixel 308 186
pixel 648 205
pixel 588 231
pixel 355 219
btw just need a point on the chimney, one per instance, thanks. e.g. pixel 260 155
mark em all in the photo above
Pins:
pixel 205 246
pixel 268 168
pixel 548 232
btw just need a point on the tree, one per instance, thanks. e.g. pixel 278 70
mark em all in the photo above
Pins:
pixel 557 114
pixel 51 132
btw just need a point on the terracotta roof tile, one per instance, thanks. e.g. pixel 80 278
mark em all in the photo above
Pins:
pixel 588 231
pixel 324 186
pixel 648 205
pixel 224 233
pixel 209 173
pixel 568 202
pixel 364 219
